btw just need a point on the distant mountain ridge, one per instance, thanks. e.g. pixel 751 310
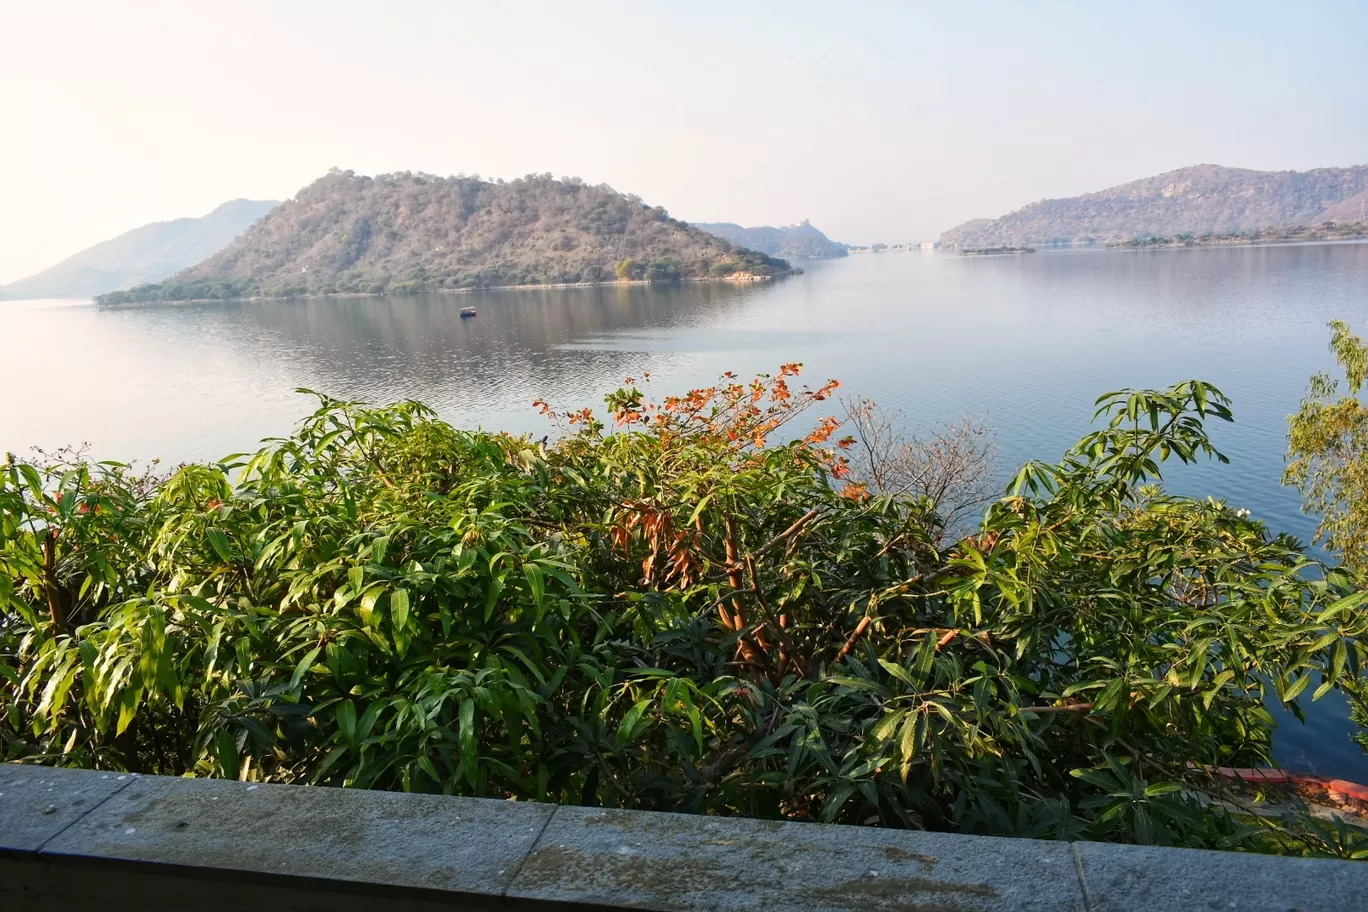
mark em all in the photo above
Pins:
pixel 147 254
pixel 405 232
pixel 800 241
pixel 1198 200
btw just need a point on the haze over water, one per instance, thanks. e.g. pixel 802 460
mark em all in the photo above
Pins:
pixel 1023 344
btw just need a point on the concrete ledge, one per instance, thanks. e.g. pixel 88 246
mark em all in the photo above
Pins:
pixel 77 838
pixel 636 859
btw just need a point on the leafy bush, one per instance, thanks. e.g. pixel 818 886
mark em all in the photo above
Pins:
pixel 193 290
pixel 1328 451
pixel 681 614
pixel 1328 463
pixel 662 271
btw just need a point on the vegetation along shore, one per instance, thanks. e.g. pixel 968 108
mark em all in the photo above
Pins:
pixel 1297 234
pixel 139 296
pixel 994 251
pixel 751 599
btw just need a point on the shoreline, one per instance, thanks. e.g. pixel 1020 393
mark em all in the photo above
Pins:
pixel 1138 248
pixel 736 280
pixel 1265 242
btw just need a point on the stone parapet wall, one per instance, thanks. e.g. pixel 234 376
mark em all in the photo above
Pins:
pixel 75 839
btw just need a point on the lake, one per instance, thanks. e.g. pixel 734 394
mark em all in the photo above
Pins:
pixel 1024 344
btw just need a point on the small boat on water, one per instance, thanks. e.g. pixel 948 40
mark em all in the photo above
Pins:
pixel 467 312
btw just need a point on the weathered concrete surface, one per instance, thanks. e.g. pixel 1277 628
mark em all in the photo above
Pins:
pixel 641 860
pixel 80 839
pixel 1124 878
pixel 37 803
pixel 462 845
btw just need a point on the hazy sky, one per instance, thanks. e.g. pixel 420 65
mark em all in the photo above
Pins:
pixel 878 121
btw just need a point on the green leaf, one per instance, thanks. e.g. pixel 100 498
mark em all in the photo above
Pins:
pixel 225 749
pixel 836 800
pixel 368 602
pixel 533 574
pixel 425 763
pixel 627 729
pixel 469 755
pixel 304 665
pixel 913 731
pixel 897 671
pixel 128 709
pixel 496 585
pixel 219 541
pixel 346 719
pixel 399 608
pixel 926 657
pixel 1294 689
pixel 698 510
pixel 885 727
pixel 363 728
pixel 1339 660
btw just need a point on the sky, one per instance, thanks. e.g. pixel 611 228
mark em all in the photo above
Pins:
pixel 877 121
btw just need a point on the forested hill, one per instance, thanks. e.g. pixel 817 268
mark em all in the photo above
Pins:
pixel 146 254
pixel 799 242
pixel 416 232
pixel 1200 200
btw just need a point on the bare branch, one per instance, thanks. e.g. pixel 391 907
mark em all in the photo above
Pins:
pixel 952 467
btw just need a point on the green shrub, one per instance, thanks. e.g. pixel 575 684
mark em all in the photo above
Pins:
pixel 662 271
pixel 682 614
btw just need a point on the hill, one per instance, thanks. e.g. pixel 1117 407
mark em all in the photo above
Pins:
pixel 347 233
pixel 1353 209
pixel 799 242
pixel 147 254
pixel 1200 200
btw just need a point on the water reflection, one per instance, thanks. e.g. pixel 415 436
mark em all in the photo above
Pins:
pixel 486 369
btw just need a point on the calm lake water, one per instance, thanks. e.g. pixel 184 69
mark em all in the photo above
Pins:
pixel 1023 344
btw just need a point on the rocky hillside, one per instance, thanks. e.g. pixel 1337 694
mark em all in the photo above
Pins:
pixel 1203 199
pixel 794 242
pixel 147 254
pixel 416 232
pixel 1353 209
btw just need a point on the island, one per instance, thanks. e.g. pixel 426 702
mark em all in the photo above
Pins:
pixel 410 232
pixel 994 251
